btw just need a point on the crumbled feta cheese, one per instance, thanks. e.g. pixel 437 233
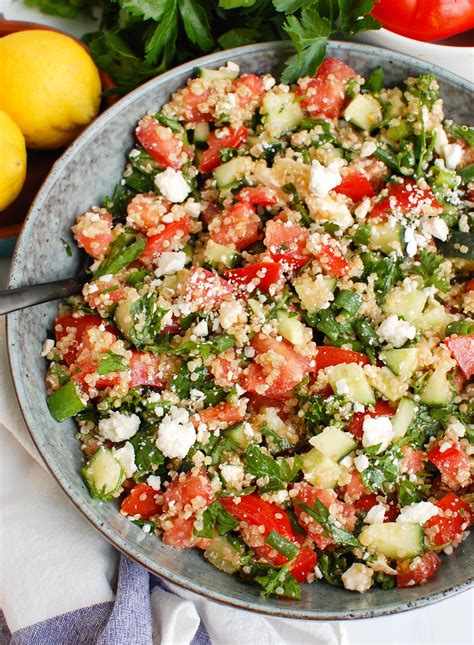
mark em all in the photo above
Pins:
pixel 47 346
pixel 368 148
pixel 119 427
pixel 172 185
pixel 201 328
pixel 410 241
pixel 324 178
pixel 358 577
pixel 418 512
pixel 170 262
pixel 358 407
pixel 436 227
pixel 229 313
pixel 233 474
pixel 154 481
pixel 342 387
pixel 395 332
pixel 176 434
pixel 268 82
pixel 347 461
pixel 363 208
pixel 375 515
pixel 453 154
pixel 377 430
pixel 361 462
pixel 456 428
pixel 231 67
pixel 126 458
pixel 464 223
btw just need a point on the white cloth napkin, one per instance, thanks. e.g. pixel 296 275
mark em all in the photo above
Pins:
pixel 54 562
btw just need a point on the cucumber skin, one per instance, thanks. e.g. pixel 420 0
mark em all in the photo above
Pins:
pixel 395 540
pixel 102 494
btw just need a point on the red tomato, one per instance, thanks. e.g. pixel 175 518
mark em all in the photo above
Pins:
pixel 452 462
pixel 74 328
pixel 93 232
pixel 181 534
pixel 141 501
pixel 221 413
pixel 205 290
pixel 165 146
pixel 107 293
pixel 226 369
pixel 462 348
pixel 469 286
pixel 259 401
pixel 329 254
pixel 237 226
pixel 146 210
pixel 258 196
pixel 413 461
pixel 249 89
pixel 455 517
pixel 92 348
pixel 380 409
pixel 325 94
pixel 185 489
pixel 366 502
pixel 417 571
pixel 197 108
pixel 355 489
pixel 210 212
pixel 284 370
pixel 404 198
pixel 304 564
pixel 232 138
pixel 173 236
pixel 145 370
pixel 356 186
pixel 328 356
pixel 261 275
pixel 287 243
pixel 425 19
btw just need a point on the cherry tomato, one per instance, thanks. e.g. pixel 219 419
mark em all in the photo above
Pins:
pixel 413 461
pixel 249 89
pixel 304 564
pixel 287 243
pixel 173 236
pixel 462 348
pixel 356 186
pixel 93 232
pixel 91 350
pixel 330 256
pixel 328 356
pixel 185 489
pixel 355 489
pixel 141 501
pixel 380 409
pixel 221 413
pixel 261 275
pixel 452 462
pixel 455 517
pixel 325 94
pixel 145 370
pixel 180 534
pixel 146 210
pixel 417 571
pixel 165 146
pixel 237 226
pixel 197 107
pixel 205 290
pixel 73 328
pixel 258 196
pixel 404 198
pixel 232 138
pixel 366 502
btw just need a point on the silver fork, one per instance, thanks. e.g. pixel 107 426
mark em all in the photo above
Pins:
pixel 22 297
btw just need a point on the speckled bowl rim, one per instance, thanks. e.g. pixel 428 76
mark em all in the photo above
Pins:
pixel 380 55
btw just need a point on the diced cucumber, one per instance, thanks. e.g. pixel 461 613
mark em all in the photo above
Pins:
pixel 123 317
pixel 405 304
pixel 232 172
pixel 364 111
pixel 238 436
pixel 353 375
pixel 319 470
pixel 334 443
pixel 385 238
pixel 103 474
pixel 434 319
pixel 201 134
pixel 398 131
pixel 403 417
pixel 65 402
pixel 291 328
pixel 280 113
pixel 312 292
pixel 220 255
pixel 438 390
pixel 390 386
pixel 402 362
pixel 215 74
pixel 394 540
pixel 223 555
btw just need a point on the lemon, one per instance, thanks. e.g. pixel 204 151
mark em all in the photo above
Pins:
pixel 12 160
pixel 50 86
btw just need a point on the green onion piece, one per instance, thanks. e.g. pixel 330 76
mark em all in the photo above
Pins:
pixel 467 173
pixel 65 402
pixel 460 327
pixel 123 251
pixel 282 545
pixel 349 301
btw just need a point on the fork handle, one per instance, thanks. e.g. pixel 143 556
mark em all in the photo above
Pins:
pixel 22 297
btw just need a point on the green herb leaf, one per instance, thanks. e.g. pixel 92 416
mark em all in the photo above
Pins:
pixel 147 456
pixel 67 247
pixel 288 549
pixel 216 518
pixel 279 582
pixel 375 80
pixel 111 362
pixel 321 514
pixel 195 17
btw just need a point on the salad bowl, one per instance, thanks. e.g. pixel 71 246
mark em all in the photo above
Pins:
pixel 85 174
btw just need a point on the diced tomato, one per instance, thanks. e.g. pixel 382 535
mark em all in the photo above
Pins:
pixel 328 356
pixel 366 502
pixel 278 375
pixel 287 243
pixel 92 348
pixel 174 235
pixel 73 328
pixel 210 212
pixel 259 401
pixel 102 294
pixel 413 461
pixel 185 489
pixel 325 94
pixel 141 501
pixel 462 348
pixel 145 370
pixel 93 232
pixel 249 89
pixel 226 369
pixel 165 146
pixel 205 290
pixel 404 198
pixel 181 534
pixel 304 564
pixel 237 226
pixel 455 517
pixel 392 511
pixel 381 409
pixel 198 109
pixel 356 186
pixel 146 210
pixel 221 413
pixel 330 256
pixel 233 138
pixel 452 462
pixel 261 275
pixel 469 286
pixel 418 571
pixel 258 196
pixel 355 489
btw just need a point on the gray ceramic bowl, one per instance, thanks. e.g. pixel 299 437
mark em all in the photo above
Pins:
pixel 85 173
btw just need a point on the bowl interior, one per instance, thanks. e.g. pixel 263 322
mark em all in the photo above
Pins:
pixel 86 173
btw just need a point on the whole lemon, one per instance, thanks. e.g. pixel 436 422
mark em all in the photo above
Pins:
pixel 12 160
pixel 50 86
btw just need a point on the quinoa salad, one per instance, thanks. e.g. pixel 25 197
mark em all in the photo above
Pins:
pixel 271 358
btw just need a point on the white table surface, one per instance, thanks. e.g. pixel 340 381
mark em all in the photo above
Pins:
pixel 450 622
